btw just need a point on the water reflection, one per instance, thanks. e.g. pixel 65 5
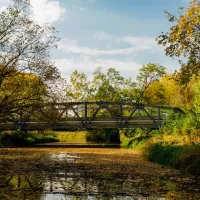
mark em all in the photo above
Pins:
pixel 79 185
pixel 76 182
pixel 89 197
pixel 64 156
pixel 18 187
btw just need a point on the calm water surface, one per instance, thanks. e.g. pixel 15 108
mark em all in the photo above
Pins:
pixel 93 176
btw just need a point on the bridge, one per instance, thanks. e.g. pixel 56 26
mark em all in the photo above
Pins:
pixel 87 115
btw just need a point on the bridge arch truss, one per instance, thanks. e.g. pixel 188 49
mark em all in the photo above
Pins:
pixel 87 115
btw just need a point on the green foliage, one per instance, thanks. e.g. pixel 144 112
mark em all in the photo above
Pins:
pixel 30 140
pixel 183 39
pixel 180 124
pixel 111 86
pixel 163 154
pixel 19 134
pixel 108 86
pixel 50 138
pixel 178 156
pixel 73 136
pixel 25 67
pixel 21 138
pixel 104 135
pixel 148 74
pixel 136 138
pixel 45 138
pixel 3 138
pixel 127 143
pixel 135 142
pixel 129 132
pixel 78 87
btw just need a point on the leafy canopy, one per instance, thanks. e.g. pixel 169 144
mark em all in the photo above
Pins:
pixel 148 74
pixel 184 39
pixel 25 65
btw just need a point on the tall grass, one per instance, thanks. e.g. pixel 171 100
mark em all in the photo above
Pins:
pixel 73 137
pixel 184 157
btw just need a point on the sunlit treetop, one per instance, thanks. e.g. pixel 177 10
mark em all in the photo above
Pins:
pixel 184 39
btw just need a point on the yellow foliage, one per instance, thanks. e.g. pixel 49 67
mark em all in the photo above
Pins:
pixel 21 87
pixel 167 91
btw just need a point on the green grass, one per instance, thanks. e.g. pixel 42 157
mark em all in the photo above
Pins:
pixel 137 141
pixel 185 157
pixel 21 138
pixel 178 151
pixel 73 137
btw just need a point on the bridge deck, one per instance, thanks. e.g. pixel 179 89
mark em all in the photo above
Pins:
pixel 86 115
pixel 82 125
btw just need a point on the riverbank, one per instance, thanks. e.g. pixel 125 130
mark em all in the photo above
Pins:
pixel 66 173
pixel 180 152
pixel 76 145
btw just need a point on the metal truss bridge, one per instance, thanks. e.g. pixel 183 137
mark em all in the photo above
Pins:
pixel 87 115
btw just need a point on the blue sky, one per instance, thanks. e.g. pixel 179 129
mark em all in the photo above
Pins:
pixel 107 33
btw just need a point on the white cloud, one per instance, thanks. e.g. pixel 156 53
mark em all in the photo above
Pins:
pixel 43 11
pixel 86 65
pixel 138 44
pixel 142 43
pixel 3 4
pixel 101 35
pixel 47 11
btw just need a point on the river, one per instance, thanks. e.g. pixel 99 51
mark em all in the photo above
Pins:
pixel 89 173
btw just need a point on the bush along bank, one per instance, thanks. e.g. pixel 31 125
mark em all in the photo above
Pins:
pixel 176 143
pixel 18 138
pixel 178 152
pixel 183 157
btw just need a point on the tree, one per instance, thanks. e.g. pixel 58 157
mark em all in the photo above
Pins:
pixel 108 86
pixel 19 91
pixel 172 91
pixel 184 39
pixel 111 86
pixel 155 94
pixel 78 87
pixel 24 52
pixel 148 74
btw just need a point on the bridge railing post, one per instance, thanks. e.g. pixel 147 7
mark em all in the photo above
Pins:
pixel 85 114
pixel 159 116
pixel 121 113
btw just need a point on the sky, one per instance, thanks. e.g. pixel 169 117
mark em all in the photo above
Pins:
pixel 107 33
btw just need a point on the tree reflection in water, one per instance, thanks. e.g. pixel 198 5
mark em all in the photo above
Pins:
pixel 19 187
pixel 73 184
pixel 69 177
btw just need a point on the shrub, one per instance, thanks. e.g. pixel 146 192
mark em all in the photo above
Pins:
pixel 21 138
pixel 30 140
pixel 163 154
pixel 72 136
pixel 184 157
pixel 5 139
pixel 191 163
pixel 104 135
pixel 50 138
pixel 19 134
pixel 18 138
pixel 127 143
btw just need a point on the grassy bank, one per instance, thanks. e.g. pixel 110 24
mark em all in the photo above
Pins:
pixel 184 157
pixel 73 137
pixel 20 138
pixel 180 152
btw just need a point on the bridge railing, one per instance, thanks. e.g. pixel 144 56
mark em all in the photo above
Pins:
pixel 86 115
